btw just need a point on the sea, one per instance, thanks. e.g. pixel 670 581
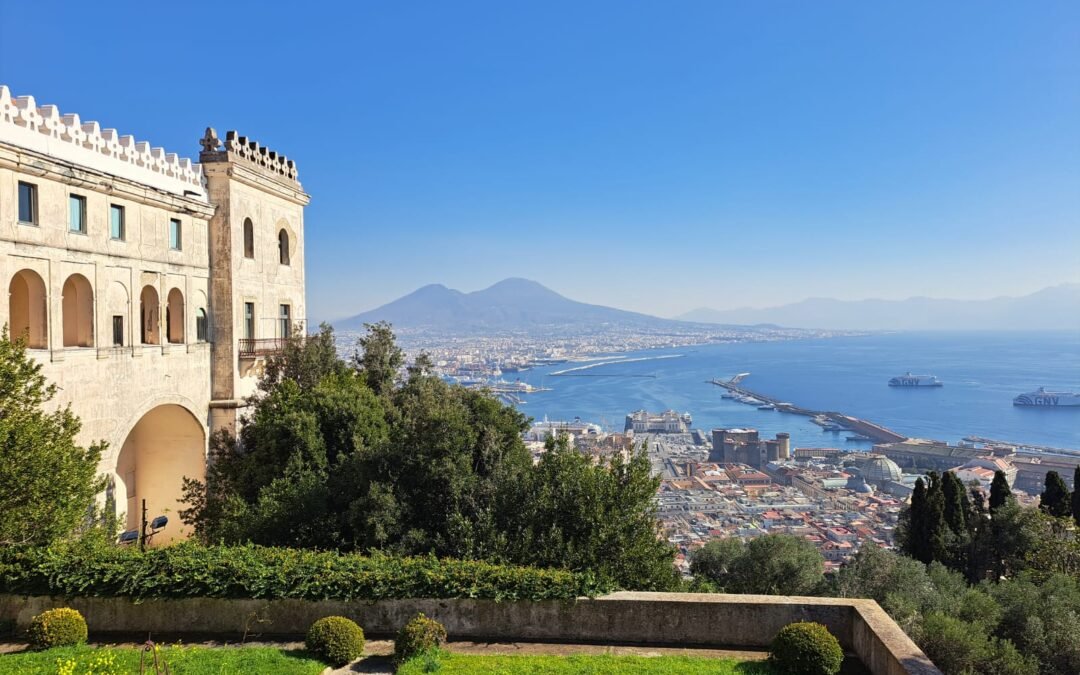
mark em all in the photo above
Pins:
pixel 982 373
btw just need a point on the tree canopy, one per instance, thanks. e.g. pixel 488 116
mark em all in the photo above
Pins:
pixel 48 482
pixel 359 455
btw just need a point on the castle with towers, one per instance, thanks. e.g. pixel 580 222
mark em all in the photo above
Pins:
pixel 150 288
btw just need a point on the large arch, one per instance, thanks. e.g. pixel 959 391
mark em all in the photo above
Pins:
pixel 165 446
pixel 149 319
pixel 28 309
pixel 78 312
pixel 174 316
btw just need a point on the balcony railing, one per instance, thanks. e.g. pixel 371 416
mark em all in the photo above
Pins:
pixel 254 348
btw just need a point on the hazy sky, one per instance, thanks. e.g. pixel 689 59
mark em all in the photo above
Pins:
pixel 652 156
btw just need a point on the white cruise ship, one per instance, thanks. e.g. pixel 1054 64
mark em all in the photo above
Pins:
pixel 1044 398
pixel 909 380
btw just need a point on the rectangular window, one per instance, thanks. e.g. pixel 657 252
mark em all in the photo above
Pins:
pixel 175 236
pixel 285 321
pixel 27 203
pixel 116 222
pixel 249 320
pixel 77 214
pixel 118 331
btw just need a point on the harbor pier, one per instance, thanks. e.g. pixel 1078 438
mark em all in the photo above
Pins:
pixel 870 430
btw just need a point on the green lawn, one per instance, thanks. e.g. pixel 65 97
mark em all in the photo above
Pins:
pixel 181 661
pixel 450 664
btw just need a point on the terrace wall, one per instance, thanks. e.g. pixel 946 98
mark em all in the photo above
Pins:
pixel 638 618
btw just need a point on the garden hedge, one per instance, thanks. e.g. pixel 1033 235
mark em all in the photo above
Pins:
pixel 190 570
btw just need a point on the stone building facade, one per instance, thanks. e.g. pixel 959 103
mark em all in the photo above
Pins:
pixel 149 287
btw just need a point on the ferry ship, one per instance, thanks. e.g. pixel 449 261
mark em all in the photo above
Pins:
pixel 909 380
pixel 1044 398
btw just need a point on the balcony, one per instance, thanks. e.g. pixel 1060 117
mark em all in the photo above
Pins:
pixel 262 347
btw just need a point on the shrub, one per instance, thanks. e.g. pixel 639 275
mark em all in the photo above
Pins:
pixel 189 570
pixel 336 640
pixel 806 648
pixel 420 636
pixel 61 627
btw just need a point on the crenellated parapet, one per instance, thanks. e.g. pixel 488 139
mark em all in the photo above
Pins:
pixel 66 136
pixel 239 148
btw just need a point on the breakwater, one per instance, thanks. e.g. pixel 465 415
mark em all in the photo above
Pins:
pixel 862 427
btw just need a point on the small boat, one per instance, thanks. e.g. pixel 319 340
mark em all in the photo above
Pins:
pixel 767 406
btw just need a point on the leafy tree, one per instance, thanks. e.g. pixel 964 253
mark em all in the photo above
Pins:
pixel 772 564
pixel 379 358
pixel 957 646
pixel 1055 498
pixel 357 457
pixel 1000 492
pixel 47 481
pixel 572 512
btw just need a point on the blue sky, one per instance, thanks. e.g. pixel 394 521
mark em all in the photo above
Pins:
pixel 652 156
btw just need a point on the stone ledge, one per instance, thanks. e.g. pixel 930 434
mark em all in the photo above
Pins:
pixel 662 619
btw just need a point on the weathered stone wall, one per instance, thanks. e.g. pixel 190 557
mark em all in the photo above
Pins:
pixel 639 618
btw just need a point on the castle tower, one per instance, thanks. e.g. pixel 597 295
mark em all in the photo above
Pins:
pixel 256 242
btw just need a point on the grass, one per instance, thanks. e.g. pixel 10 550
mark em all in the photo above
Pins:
pixel 451 664
pixel 181 660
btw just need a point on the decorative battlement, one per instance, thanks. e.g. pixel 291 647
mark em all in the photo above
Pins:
pixel 239 147
pixel 44 129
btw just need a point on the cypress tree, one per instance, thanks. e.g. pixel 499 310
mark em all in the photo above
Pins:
pixel 1000 492
pixel 1076 496
pixel 956 504
pixel 980 552
pixel 936 527
pixel 916 541
pixel 1055 496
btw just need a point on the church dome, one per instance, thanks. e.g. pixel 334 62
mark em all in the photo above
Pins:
pixel 880 470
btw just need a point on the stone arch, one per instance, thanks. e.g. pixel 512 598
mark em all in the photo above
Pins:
pixel 78 311
pixel 249 238
pixel 117 311
pixel 283 247
pixel 28 309
pixel 165 445
pixel 174 316
pixel 149 316
pixel 202 317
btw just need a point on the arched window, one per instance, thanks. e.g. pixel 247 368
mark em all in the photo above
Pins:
pixel 283 247
pixel 27 315
pixel 249 238
pixel 202 325
pixel 78 308
pixel 174 317
pixel 149 316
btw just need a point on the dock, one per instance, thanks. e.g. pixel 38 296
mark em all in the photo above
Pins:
pixel 872 431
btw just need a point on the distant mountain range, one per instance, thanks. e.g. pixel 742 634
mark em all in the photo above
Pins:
pixel 511 304
pixel 1056 307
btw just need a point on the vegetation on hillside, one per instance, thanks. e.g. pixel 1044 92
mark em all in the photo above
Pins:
pixel 982 588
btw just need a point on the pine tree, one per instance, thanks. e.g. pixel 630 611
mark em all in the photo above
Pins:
pixel 1076 496
pixel 1055 496
pixel 1000 492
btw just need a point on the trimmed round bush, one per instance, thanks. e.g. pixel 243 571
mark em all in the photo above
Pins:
pixel 806 648
pixel 336 640
pixel 418 636
pixel 62 627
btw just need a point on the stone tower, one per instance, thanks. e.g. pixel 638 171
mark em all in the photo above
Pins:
pixel 256 243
